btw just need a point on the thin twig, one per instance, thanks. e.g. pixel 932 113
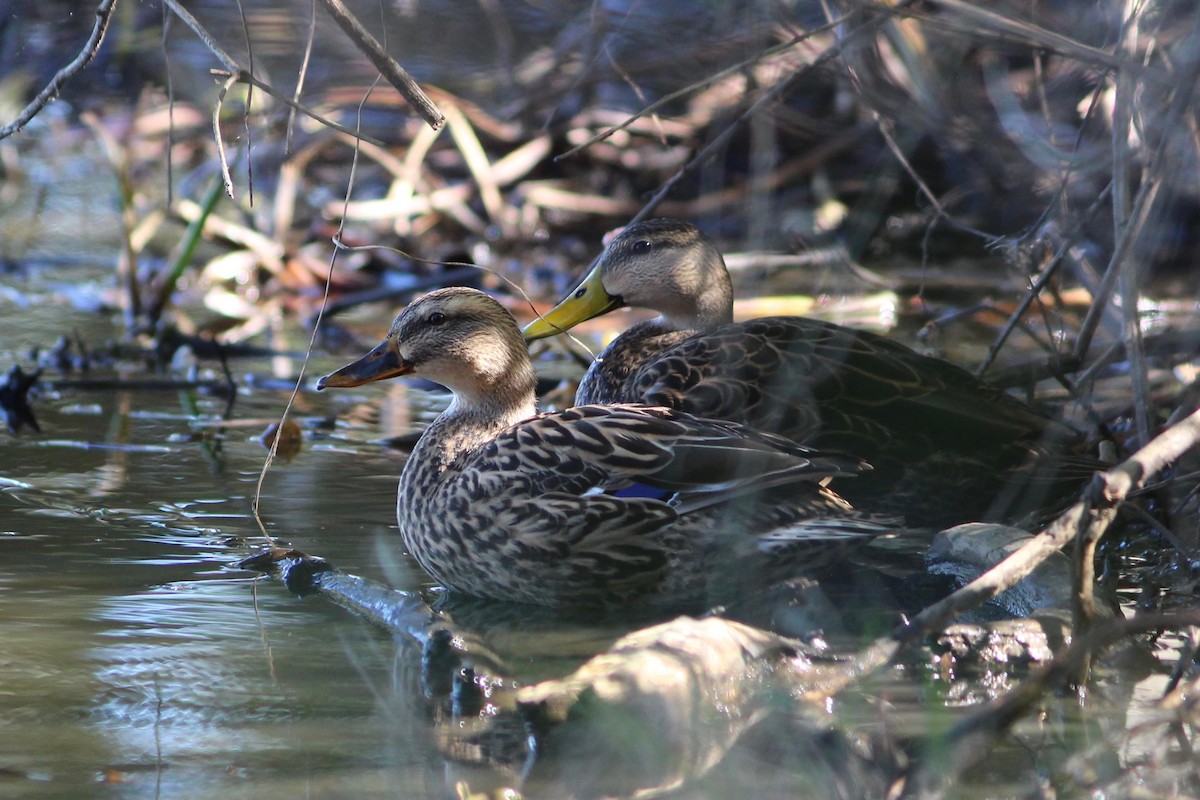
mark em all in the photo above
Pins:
pixel 233 69
pixel 205 37
pixel 242 76
pixel 249 104
pixel 166 56
pixel 707 81
pixel 1127 282
pixel 769 96
pixel 226 178
pixel 1040 283
pixel 301 77
pixel 312 341
pixel 85 56
pixel 386 65
pixel 1127 234
pixel 982 23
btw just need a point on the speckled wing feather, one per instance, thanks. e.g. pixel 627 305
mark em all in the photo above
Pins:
pixel 600 449
pixel 550 490
pixel 803 377
pixel 942 443
pixel 608 380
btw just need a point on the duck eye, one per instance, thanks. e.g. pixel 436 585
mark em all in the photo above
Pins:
pixel 437 318
pixel 641 246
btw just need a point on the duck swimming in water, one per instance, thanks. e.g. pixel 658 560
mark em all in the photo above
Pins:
pixel 943 444
pixel 592 505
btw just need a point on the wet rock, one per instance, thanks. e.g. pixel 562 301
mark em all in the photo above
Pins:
pixel 1024 625
pixel 965 552
pixel 1009 642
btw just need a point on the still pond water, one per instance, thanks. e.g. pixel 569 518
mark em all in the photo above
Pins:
pixel 133 654
pixel 137 660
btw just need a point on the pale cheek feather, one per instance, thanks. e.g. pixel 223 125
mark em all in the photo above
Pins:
pixel 451 373
pixel 492 362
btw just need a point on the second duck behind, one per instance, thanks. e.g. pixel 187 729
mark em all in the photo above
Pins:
pixel 943 443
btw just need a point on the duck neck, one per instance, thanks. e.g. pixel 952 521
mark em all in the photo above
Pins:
pixel 712 310
pixel 703 303
pixel 477 415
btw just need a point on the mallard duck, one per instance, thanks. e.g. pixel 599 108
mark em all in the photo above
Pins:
pixel 942 442
pixel 590 505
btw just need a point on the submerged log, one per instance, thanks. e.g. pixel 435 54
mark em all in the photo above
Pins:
pixel 397 611
pixel 665 704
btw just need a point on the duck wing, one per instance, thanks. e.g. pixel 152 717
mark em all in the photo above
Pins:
pixel 607 449
pixel 817 381
pixel 609 495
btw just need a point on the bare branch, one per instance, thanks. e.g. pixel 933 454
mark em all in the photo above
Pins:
pixel 982 21
pixel 199 30
pixel 1089 516
pixel 216 121
pixel 234 69
pixel 770 95
pixel 734 69
pixel 1140 210
pixel 48 94
pixel 249 105
pixel 387 65
pixel 302 75
pixel 243 76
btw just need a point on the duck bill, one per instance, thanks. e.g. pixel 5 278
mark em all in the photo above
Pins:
pixel 381 363
pixel 588 301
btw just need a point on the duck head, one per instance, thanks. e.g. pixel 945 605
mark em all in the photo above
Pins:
pixel 666 265
pixel 458 337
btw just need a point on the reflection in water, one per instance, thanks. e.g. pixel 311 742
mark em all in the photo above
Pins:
pixel 131 654
pixel 134 655
pixel 188 676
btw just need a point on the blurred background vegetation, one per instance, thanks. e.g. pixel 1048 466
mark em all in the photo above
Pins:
pixel 936 143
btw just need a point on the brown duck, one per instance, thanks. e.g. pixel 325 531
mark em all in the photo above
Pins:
pixel 946 447
pixel 594 505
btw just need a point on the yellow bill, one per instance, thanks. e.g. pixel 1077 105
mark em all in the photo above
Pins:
pixel 586 302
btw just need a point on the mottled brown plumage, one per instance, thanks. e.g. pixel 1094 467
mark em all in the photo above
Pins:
pixel 943 443
pixel 594 504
